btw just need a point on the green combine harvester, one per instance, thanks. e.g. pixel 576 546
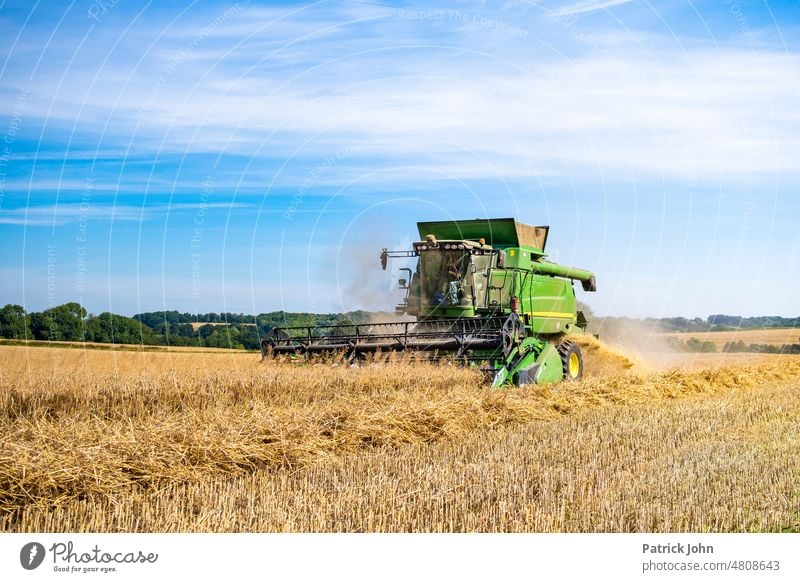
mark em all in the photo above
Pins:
pixel 483 293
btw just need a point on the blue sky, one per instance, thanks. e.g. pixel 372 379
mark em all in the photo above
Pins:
pixel 250 157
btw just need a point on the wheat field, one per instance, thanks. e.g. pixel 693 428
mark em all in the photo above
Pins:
pixel 770 336
pixel 180 442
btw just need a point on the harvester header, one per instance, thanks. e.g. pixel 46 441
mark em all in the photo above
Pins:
pixel 483 292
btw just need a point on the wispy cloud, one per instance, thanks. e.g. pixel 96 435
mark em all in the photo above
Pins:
pixel 60 214
pixel 590 6
pixel 300 85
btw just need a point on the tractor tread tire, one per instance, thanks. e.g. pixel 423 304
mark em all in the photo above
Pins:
pixel 566 350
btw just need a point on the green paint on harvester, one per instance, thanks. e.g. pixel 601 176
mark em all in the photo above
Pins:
pixel 483 292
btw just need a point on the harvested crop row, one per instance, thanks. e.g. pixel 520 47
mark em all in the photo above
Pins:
pixel 716 462
pixel 71 436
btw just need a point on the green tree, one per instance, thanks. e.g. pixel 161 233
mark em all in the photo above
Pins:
pixel 41 326
pixel 248 337
pixel 224 337
pixel 695 345
pixel 13 322
pixel 735 347
pixel 205 331
pixel 61 323
pixel 110 328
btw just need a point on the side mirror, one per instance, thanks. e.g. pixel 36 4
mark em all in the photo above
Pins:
pixel 590 285
pixel 403 283
pixel 384 258
pixel 501 259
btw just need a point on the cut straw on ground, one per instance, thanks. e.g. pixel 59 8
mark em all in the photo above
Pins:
pixel 81 435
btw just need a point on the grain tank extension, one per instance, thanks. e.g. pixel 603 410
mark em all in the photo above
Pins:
pixel 483 292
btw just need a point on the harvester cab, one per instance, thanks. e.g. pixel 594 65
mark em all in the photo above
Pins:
pixel 483 292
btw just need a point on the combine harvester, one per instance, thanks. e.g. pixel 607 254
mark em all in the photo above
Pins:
pixel 483 293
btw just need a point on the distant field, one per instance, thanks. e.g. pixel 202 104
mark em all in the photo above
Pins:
pixel 198 324
pixel 178 441
pixel 662 361
pixel 21 361
pixel 111 347
pixel 749 336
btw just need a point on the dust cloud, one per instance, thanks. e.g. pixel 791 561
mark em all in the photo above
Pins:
pixel 361 283
pixel 643 344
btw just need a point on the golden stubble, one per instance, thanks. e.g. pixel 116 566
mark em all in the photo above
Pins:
pixel 98 441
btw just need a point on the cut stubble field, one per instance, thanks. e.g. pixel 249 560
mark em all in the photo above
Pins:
pixel 148 441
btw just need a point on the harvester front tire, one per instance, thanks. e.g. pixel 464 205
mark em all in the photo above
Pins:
pixel 571 361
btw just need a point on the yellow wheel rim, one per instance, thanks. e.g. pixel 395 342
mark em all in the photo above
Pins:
pixel 574 365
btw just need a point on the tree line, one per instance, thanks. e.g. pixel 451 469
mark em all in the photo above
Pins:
pixel 71 322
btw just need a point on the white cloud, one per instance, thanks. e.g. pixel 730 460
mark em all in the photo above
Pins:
pixel 728 113
pixel 58 214
pixel 590 6
pixel 266 83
